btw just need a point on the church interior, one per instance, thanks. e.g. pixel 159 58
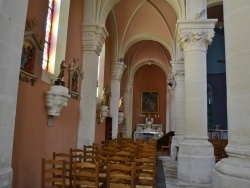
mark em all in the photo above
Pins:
pixel 172 74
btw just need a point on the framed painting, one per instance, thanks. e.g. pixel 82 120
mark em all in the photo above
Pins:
pixel 150 102
pixel 75 76
pixel 29 58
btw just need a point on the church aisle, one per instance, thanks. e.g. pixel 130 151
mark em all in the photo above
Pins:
pixel 169 168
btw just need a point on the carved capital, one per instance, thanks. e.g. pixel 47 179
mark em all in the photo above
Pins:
pixel 178 68
pixel 117 69
pixel 127 86
pixel 195 34
pixel 179 76
pixel 195 39
pixel 93 38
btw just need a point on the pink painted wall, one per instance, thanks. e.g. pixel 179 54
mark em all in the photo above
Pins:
pixel 33 139
pixel 149 78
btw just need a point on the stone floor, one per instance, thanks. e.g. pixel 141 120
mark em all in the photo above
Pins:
pixel 170 173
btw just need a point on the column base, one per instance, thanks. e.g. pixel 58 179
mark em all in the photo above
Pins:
pixel 232 172
pixel 6 178
pixel 196 162
pixel 176 140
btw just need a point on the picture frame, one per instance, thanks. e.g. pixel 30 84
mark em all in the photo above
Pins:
pixel 149 102
pixel 29 58
pixel 75 76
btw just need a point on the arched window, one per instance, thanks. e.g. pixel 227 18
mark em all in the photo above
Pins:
pixel 100 74
pixel 55 38
pixel 48 33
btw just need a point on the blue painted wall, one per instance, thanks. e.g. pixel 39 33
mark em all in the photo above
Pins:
pixel 216 54
pixel 216 77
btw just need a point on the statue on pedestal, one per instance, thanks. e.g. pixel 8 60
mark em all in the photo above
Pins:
pixel 59 80
pixel 106 94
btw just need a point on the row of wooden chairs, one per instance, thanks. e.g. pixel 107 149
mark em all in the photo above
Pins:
pixel 116 163
pixel 219 148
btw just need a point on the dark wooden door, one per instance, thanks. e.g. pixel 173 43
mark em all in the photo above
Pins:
pixel 108 128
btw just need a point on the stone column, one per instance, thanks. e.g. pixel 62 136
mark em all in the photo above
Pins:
pixel 12 23
pixel 117 69
pixel 234 171
pixel 93 40
pixel 196 154
pixel 127 130
pixel 179 75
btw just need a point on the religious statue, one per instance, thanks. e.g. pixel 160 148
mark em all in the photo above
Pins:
pixel 62 67
pixel 120 105
pixel 106 94
pixel 59 80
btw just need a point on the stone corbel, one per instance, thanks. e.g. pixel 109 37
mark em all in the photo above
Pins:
pixel 56 99
pixel 102 112
pixel 120 117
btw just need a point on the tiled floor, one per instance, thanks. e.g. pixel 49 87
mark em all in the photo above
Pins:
pixel 170 173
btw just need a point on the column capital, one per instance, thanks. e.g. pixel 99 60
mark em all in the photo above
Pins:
pixel 93 37
pixel 117 69
pixel 178 69
pixel 195 35
pixel 127 86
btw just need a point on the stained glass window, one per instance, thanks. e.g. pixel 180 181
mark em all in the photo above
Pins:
pixel 48 34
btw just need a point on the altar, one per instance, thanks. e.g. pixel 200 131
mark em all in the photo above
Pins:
pixel 148 131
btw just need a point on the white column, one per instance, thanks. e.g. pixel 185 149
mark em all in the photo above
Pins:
pixel 179 75
pixel 93 39
pixel 127 130
pixel 117 69
pixel 171 91
pixel 196 155
pixel 234 171
pixel 12 23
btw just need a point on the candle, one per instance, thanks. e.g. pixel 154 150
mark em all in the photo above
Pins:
pixel 158 116
pixel 140 115
pixel 155 116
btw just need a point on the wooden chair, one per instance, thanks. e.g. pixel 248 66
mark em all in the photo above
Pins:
pixel 167 147
pixel 145 171
pixel 53 173
pixel 102 159
pixel 86 174
pixel 76 155
pixel 65 157
pixel 119 173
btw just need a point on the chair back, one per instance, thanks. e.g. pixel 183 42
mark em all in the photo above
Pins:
pixel 53 173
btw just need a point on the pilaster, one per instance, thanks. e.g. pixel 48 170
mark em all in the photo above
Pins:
pixel 196 155
pixel 127 130
pixel 117 69
pixel 171 92
pixel 179 76
pixel 93 40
